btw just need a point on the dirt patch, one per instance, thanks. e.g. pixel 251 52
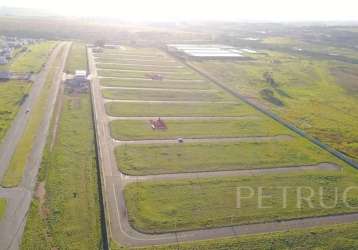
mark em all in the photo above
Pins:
pixel 40 194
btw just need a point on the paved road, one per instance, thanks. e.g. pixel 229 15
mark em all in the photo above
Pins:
pixel 19 199
pixel 206 140
pixel 114 182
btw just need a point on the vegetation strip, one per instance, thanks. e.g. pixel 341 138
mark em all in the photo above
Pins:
pixel 2 207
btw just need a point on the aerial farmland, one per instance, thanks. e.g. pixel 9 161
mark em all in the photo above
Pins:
pixel 170 130
pixel 178 134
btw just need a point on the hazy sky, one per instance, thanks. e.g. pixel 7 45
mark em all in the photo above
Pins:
pixel 164 10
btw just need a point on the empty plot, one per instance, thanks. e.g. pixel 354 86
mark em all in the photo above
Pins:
pixel 157 61
pixel 144 83
pixel 142 130
pixel 205 203
pixel 138 67
pixel 197 157
pixel 131 51
pixel 163 95
pixel 179 109
pixel 147 75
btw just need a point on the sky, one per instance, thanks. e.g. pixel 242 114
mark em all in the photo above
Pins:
pixel 200 10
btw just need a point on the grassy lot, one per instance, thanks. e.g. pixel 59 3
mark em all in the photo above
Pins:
pixel 319 96
pixel 12 93
pixel 33 59
pixel 133 51
pixel 18 161
pixel 206 203
pixel 179 109
pixel 156 69
pixel 2 207
pixel 77 59
pixel 169 76
pixel 139 62
pixel 329 238
pixel 149 67
pixel 166 95
pixel 141 129
pixel 137 83
pixel 197 157
pixel 65 211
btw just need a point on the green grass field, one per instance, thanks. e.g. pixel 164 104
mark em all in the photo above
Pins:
pixel 319 96
pixel 186 75
pixel 139 62
pixel 33 59
pixel 179 109
pixel 156 69
pixel 206 203
pixel 2 207
pixel 18 161
pixel 12 93
pixel 67 216
pixel 137 83
pixel 197 157
pixel 166 95
pixel 333 237
pixel 148 67
pixel 77 59
pixel 141 129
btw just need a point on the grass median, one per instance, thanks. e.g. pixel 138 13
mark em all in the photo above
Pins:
pixel 77 59
pixel 166 95
pixel 167 206
pixel 179 109
pixel 19 159
pixel 197 157
pixel 216 128
pixel 2 208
